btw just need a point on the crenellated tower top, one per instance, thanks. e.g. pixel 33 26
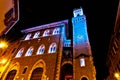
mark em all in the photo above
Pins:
pixel 78 12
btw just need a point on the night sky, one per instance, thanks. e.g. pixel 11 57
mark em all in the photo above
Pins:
pixel 100 17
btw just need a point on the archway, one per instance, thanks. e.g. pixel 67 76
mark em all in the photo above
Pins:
pixel 84 78
pixel 37 74
pixel 11 75
pixel 66 72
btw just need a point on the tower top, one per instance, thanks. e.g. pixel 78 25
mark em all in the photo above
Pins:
pixel 77 12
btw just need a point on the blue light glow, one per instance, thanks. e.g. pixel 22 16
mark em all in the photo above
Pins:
pixel 79 30
pixel 80 36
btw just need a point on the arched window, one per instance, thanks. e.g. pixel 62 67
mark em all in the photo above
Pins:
pixel 46 32
pixel 37 34
pixel 19 54
pixel 11 75
pixel 56 31
pixel 41 49
pixel 28 37
pixel 52 48
pixel 37 74
pixel 29 51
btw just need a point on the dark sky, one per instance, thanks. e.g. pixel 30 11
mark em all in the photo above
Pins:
pixel 100 20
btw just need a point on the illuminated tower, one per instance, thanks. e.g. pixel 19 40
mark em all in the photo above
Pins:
pixel 83 67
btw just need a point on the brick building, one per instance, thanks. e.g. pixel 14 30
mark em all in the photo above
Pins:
pixel 113 56
pixel 53 52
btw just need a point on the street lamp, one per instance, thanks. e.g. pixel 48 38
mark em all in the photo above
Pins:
pixel 3 44
pixel 3 61
pixel 117 75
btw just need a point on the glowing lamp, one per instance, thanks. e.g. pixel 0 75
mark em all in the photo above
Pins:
pixel 3 61
pixel 3 44
pixel 117 75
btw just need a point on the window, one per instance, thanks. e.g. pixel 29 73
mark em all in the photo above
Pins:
pixel 37 34
pixel 25 69
pixel 10 17
pixel 56 31
pixel 37 74
pixel 28 37
pixel 52 48
pixel 11 75
pixel 46 33
pixel 19 54
pixel 41 49
pixel 29 52
pixel 82 62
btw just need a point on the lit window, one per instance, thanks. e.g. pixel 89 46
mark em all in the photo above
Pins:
pixel 41 49
pixel 28 37
pixel 46 33
pixel 29 52
pixel 36 35
pixel 56 31
pixel 52 48
pixel 82 62
pixel 19 54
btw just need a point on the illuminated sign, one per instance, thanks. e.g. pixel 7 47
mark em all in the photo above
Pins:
pixel 9 11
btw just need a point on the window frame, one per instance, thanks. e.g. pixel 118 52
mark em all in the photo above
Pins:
pixel 19 53
pixel 29 51
pixel 41 49
pixel 28 36
pixel 36 35
pixel 46 32
pixel 56 31
pixel 52 48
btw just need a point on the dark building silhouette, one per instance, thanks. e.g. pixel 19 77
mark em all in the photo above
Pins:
pixel 113 56
pixel 53 52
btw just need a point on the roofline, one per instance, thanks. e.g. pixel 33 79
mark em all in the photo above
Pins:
pixel 44 26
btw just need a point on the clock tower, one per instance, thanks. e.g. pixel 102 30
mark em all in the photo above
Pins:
pixel 83 66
